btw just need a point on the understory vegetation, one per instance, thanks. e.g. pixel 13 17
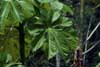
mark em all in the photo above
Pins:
pixel 49 33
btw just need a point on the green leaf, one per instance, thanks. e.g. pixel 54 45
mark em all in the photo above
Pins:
pixel 39 44
pixel 56 6
pixel 9 58
pixel 20 66
pixel 15 12
pixel 99 54
pixel 98 65
pixel 57 42
pixel 3 56
pixel 27 8
pixel 34 32
pixel 67 8
pixel 11 64
pixel 34 2
pixel 52 48
pixel 56 15
pixel 66 22
pixel 45 1
pixel 5 12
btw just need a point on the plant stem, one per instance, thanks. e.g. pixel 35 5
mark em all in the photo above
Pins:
pixel 81 19
pixel 22 42
pixel 86 41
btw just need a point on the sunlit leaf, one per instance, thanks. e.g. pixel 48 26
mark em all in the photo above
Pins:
pixel 27 8
pixel 56 15
pixel 16 13
pixel 52 47
pixel 5 12
pixel 45 1
pixel 56 5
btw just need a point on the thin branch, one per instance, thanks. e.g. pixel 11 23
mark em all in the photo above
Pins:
pixel 51 64
pixel 93 31
pixel 86 41
pixel 96 6
pixel 90 23
pixel 91 47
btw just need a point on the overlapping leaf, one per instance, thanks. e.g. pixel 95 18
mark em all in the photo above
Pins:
pixel 18 10
pixel 50 19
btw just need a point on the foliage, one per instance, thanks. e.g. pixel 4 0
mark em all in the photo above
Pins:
pixel 6 61
pixel 9 40
pixel 52 29
pixel 13 12
pixel 44 20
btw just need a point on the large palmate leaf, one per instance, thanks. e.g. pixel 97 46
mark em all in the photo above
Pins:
pixel 51 22
pixel 56 41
